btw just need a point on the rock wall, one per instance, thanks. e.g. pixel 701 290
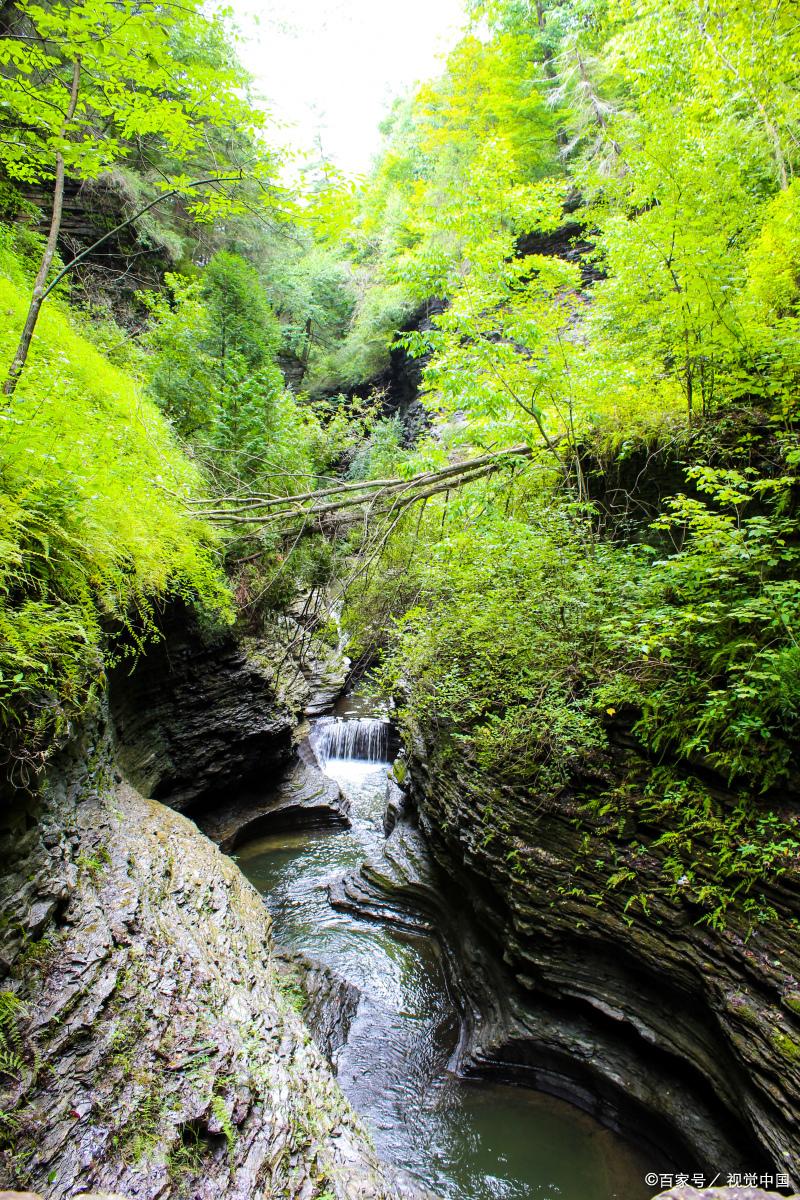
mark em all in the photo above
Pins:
pixel 201 719
pixel 151 1042
pixel 503 1033
pixel 399 382
pixel 697 1028
pixel 302 797
pixel 152 1047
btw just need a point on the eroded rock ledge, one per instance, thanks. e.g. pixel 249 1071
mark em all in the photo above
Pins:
pixel 697 1026
pixel 156 1052
pixel 202 719
pixel 302 797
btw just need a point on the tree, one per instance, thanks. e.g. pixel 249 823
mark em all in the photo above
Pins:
pixel 212 365
pixel 83 82
pixel 244 332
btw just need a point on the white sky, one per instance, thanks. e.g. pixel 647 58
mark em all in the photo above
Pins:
pixel 333 66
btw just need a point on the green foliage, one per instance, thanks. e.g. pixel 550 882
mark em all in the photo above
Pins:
pixel 516 635
pixel 519 637
pixel 129 65
pixel 94 864
pixel 11 1047
pixel 140 1137
pixel 185 1156
pixel 223 1119
pixel 697 306
pixel 514 631
pixel 35 956
pixel 495 652
pixel 381 453
pixel 713 624
pixel 243 330
pixel 181 373
pixel 92 525
pixel 212 366
pixel 716 856
pixel 290 987
pixel 376 316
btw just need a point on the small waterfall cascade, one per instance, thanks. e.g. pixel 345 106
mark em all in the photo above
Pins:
pixel 352 739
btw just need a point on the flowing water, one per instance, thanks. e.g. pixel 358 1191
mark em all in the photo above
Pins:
pixel 467 1140
pixel 351 739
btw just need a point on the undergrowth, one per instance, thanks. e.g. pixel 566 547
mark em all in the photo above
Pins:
pixel 532 638
pixel 94 535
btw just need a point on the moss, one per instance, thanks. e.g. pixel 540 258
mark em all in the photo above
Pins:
pixel 141 1134
pixel 290 988
pixel 194 1146
pixel 792 1001
pixel 740 1005
pixel 786 1046
pixel 36 957
pixel 94 864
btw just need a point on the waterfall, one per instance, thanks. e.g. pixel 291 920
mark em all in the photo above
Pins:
pixel 360 739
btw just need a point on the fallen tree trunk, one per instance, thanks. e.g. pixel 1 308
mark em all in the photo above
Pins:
pixel 378 496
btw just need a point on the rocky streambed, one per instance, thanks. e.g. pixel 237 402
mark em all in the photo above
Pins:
pixel 634 1052
pixel 398 1059
pixel 149 1040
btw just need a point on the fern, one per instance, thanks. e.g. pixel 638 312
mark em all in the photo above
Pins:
pixel 11 1064
pixel 11 1009
pixel 11 1044
pixel 223 1118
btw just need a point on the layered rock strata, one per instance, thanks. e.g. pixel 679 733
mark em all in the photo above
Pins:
pixel 203 718
pixel 636 1005
pixel 503 1034
pixel 152 1046
pixel 302 797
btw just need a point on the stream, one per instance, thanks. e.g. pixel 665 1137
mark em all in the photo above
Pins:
pixel 466 1139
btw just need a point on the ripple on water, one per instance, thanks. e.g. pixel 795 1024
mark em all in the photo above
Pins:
pixel 468 1140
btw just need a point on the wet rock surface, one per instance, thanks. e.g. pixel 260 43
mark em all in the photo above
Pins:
pixel 327 1002
pixel 159 1053
pixel 78 1196
pixel 202 717
pixel 505 1037
pixel 302 797
pixel 720 1193
pixel 196 718
pixel 694 1026
pixel 404 1188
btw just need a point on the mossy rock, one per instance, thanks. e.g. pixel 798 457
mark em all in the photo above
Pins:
pixel 786 1046
pixel 792 1002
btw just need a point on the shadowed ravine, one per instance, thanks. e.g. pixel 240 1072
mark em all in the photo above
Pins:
pixel 466 1139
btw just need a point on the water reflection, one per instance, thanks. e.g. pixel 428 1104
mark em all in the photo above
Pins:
pixel 466 1140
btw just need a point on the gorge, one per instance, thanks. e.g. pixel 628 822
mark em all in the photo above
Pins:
pixel 399 609
pixel 436 1039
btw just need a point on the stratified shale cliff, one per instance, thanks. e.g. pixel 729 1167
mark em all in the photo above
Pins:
pixel 150 1043
pixel 637 1004
pixel 200 718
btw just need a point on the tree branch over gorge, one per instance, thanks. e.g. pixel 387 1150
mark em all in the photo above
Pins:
pixel 170 195
pixel 39 287
pixel 371 498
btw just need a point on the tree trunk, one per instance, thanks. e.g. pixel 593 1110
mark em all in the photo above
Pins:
pixel 40 294
pixel 40 285
pixel 306 352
